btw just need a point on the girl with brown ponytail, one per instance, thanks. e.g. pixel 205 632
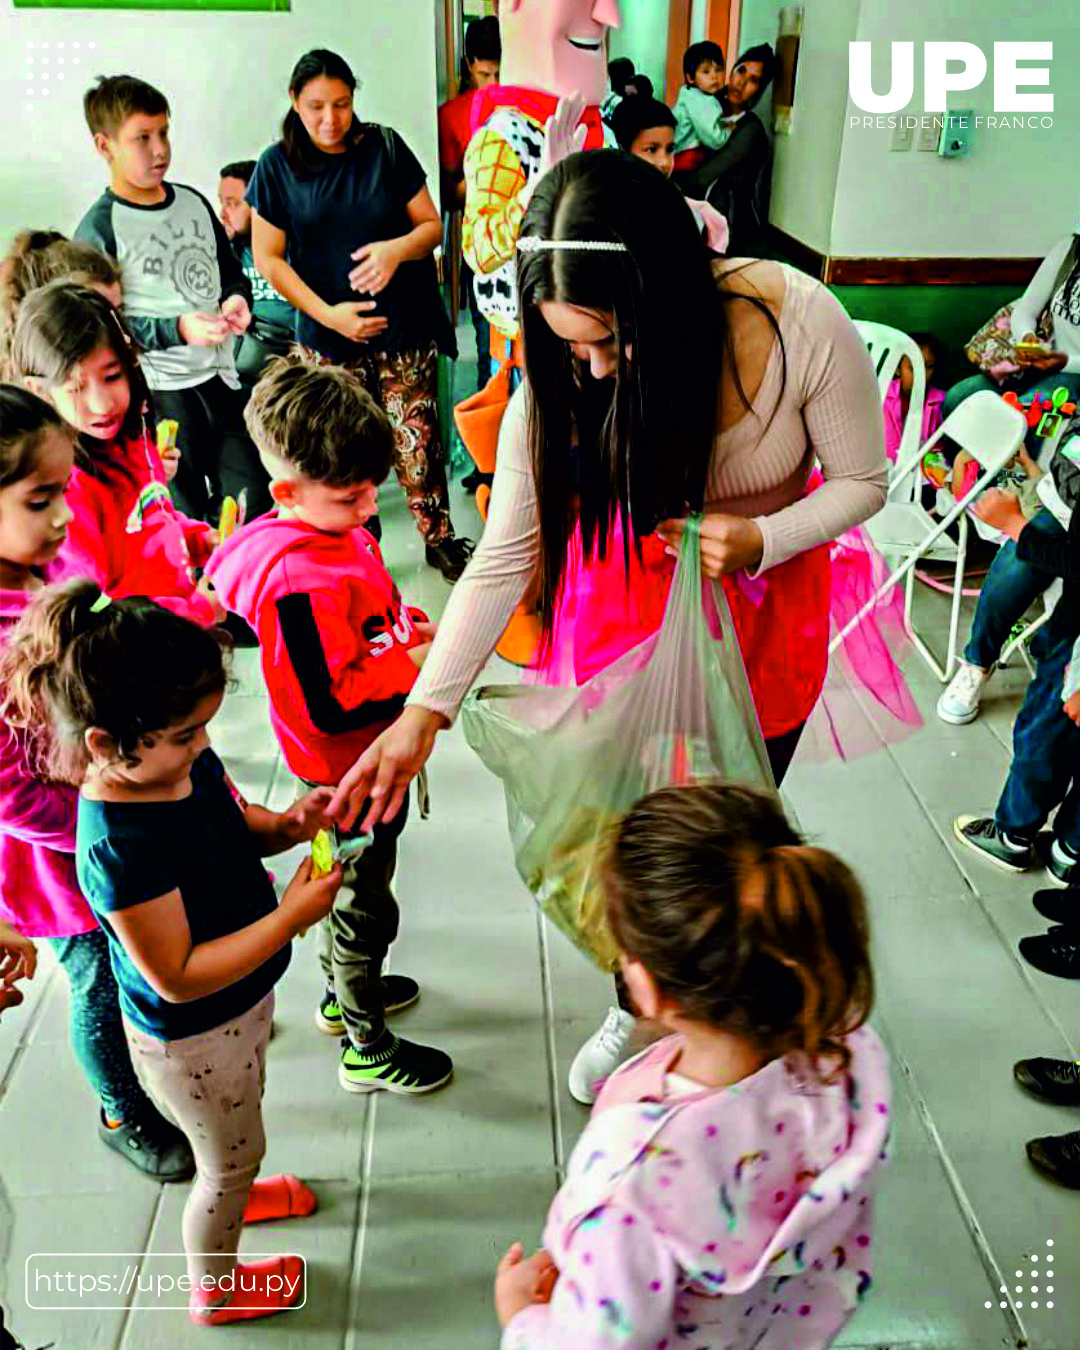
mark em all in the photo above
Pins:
pixel 724 1181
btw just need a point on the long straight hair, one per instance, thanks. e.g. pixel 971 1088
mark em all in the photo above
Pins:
pixel 62 324
pixel 645 439
pixel 304 159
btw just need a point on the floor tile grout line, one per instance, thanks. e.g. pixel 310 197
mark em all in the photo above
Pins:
pixel 547 1004
pixel 363 1206
pixel 967 1210
pixel 26 1039
pixel 148 1242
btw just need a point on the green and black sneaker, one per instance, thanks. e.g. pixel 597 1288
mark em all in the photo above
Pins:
pixel 393 1065
pixel 399 992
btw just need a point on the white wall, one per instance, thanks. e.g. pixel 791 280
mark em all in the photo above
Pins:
pixel 643 38
pixel 807 163
pixel 225 75
pixel 1020 189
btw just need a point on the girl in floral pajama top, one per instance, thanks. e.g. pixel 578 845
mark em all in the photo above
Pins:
pixel 721 1196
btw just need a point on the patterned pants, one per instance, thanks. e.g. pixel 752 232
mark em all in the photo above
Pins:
pixel 97 1032
pixel 406 386
pixel 212 1086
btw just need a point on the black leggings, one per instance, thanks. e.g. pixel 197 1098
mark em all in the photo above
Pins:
pixel 781 751
pixel 217 456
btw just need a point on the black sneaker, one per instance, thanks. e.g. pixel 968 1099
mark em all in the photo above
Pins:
pixel 451 557
pixel 983 835
pixel 153 1145
pixel 1054 953
pixel 1059 906
pixel 399 992
pixel 1059 860
pixel 393 1065
pixel 1058 1157
pixel 1054 1080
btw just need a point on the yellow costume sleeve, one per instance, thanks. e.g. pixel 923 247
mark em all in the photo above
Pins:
pixel 494 179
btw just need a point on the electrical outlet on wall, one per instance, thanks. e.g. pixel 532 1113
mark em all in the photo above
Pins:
pixel 956 138
pixel 901 138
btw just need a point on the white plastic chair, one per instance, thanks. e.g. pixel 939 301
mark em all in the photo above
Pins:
pixel 886 347
pixel 991 432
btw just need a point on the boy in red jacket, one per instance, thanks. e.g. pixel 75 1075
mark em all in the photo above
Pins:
pixel 340 652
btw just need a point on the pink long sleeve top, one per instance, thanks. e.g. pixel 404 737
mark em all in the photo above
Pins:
pixel 39 894
pixel 829 414
pixel 719 1219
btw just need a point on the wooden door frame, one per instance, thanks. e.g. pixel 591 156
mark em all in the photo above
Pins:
pixel 721 25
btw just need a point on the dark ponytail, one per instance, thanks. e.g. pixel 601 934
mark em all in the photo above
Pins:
pixel 741 923
pixel 303 158
pixel 77 659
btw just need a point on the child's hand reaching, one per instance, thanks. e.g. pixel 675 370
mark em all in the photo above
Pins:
pixel 305 818
pixel 18 961
pixel 306 900
pixel 520 1283
pixel 420 654
pixel 170 462
pixel 205 588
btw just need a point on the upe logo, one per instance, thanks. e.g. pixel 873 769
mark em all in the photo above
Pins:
pixel 939 80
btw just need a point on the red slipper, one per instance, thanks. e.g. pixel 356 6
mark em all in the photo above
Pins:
pixel 255 1289
pixel 280 1197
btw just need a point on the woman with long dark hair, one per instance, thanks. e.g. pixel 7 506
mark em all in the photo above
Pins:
pixel 340 212
pixel 659 383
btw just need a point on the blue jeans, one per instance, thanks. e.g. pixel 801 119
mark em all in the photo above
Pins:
pixel 1045 769
pixel 481 330
pixel 1010 589
pixel 97 1033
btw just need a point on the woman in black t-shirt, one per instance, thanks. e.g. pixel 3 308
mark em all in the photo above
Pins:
pixel 343 226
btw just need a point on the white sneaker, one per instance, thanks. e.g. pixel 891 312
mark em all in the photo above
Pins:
pixel 959 704
pixel 600 1056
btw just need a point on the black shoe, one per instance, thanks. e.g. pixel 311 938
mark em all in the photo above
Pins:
pixel 1064 870
pixel 983 835
pixel 1054 953
pixel 153 1145
pixel 1058 1157
pixel 399 992
pixel 1059 906
pixel 1054 1080
pixel 451 557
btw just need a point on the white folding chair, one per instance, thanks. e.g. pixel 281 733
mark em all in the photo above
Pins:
pixel 991 432
pixel 887 346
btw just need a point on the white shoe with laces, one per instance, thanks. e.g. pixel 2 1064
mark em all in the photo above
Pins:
pixel 959 704
pixel 600 1056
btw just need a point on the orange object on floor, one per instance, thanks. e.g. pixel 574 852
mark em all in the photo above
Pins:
pixel 280 1197
pixel 255 1289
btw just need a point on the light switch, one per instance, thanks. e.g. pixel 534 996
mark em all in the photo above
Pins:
pixel 901 138
pixel 930 135
pixel 957 133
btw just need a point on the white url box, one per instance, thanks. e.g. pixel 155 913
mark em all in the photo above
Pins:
pixel 132 1279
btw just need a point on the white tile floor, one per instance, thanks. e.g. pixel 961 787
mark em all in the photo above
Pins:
pixel 418 1197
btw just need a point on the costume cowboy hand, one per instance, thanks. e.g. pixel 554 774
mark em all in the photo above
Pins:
pixel 562 137
pixel 728 543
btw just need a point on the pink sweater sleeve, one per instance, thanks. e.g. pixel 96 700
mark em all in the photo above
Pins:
pixel 845 432
pixel 32 810
pixel 617 1286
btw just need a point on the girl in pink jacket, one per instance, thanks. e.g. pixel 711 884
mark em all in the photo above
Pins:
pixel 39 894
pixel 721 1195
pixel 71 348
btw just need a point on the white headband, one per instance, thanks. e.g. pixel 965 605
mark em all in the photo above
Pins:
pixel 531 243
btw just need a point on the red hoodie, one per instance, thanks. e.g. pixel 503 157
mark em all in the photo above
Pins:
pixel 334 636
pixel 128 536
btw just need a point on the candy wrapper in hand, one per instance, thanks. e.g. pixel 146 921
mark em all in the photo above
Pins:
pixel 326 851
pixel 233 515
